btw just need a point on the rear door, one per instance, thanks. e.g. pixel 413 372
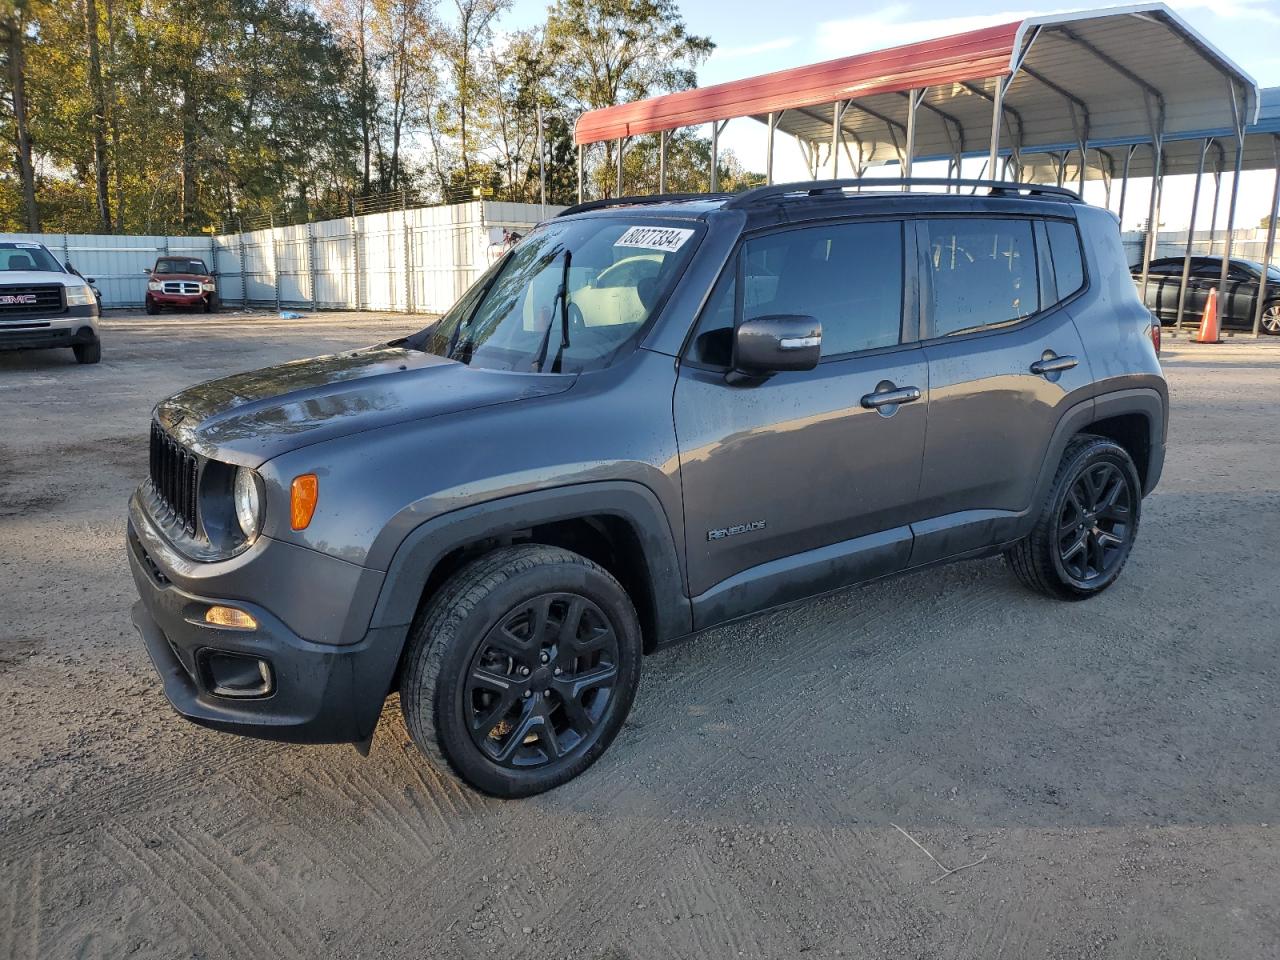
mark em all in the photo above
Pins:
pixel 1004 357
pixel 775 471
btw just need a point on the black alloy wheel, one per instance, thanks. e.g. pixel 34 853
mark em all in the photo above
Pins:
pixel 521 669
pixel 541 681
pixel 1094 523
pixel 1087 526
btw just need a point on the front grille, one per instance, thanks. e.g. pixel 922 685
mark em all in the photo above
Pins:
pixel 186 288
pixel 175 471
pixel 23 300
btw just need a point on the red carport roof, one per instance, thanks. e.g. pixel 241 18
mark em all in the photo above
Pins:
pixel 976 55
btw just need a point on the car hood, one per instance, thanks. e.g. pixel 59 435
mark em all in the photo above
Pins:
pixel 202 277
pixel 251 417
pixel 30 277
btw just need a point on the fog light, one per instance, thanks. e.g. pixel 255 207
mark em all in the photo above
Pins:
pixel 235 675
pixel 231 617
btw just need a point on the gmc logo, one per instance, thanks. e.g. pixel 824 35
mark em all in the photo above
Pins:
pixel 8 299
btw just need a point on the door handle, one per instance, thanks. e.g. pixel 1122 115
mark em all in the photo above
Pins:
pixel 1053 364
pixel 888 398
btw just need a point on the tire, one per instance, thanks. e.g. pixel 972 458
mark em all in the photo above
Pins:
pixel 152 308
pixel 88 352
pixel 490 672
pixel 1271 319
pixel 1065 558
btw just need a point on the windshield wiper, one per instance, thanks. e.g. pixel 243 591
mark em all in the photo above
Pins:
pixel 563 296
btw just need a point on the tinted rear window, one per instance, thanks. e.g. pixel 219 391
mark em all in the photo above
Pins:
pixel 1064 247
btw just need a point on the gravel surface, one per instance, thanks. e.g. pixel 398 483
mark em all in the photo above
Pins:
pixel 1115 762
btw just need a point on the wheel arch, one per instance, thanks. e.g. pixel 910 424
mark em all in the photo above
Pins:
pixel 619 524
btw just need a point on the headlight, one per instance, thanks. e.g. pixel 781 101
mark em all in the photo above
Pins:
pixel 80 296
pixel 248 503
pixel 155 285
pixel 207 286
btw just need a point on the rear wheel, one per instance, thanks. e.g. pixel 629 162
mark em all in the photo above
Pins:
pixel 88 352
pixel 521 670
pixel 1087 527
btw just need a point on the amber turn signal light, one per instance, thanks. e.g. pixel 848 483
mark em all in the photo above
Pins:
pixel 232 617
pixel 303 494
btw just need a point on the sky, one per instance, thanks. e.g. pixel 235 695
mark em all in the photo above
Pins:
pixel 752 38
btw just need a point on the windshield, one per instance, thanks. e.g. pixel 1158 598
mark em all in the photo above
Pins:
pixel 181 266
pixel 1273 273
pixel 27 256
pixel 614 272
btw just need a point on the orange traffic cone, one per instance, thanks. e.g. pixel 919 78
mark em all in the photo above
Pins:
pixel 1208 332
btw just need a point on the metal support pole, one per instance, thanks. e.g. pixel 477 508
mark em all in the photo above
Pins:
pixel 542 167
pixel 275 261
pixel 768 163
pixel 1153 205
pixel 662 161
pixel 1124 181
pixel 837 112
pixel 1271 240
pixel 715 156
pixel 913 102
pixel 622 146
pixel 1191 234
pixel 997 108
pixel 311 265
pixel 579 173
pixel 1217 196
pixel 1238 124
pixel 355 260
pixel 244 268
pixel 408 252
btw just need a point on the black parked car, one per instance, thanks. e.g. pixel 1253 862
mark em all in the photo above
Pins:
pixel 1165 277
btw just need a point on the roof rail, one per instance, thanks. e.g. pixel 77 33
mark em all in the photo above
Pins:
pixel 637 200
pixel 819 188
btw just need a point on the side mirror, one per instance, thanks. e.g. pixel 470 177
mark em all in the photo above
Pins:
pixel 88 280
pixel 772 344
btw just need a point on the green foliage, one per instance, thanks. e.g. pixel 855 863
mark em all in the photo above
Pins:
pixel 212 110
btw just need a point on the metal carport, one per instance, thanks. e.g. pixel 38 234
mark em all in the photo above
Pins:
pixel 1062 82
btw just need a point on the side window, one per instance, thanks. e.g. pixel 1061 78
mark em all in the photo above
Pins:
pixel 848 276
pixel 713 343
pixel 1068 265
pixel 982 274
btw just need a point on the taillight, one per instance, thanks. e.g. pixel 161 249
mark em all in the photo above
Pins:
pixel 1154 332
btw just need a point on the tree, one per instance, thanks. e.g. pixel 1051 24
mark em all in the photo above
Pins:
pixel 612 51
pixel 13 33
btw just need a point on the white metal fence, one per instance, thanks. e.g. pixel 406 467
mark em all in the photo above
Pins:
pixel 418 260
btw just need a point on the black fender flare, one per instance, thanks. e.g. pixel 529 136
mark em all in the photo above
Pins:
pixel 635 504
pixel 1142 400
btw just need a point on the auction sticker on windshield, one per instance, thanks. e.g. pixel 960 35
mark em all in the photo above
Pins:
pixel 654 238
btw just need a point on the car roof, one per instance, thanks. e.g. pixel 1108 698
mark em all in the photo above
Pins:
pixel 879 202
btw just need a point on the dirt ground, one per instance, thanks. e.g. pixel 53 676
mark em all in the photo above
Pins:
pixel 1113 765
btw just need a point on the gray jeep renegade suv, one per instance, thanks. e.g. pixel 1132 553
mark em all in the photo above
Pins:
pixel 652 416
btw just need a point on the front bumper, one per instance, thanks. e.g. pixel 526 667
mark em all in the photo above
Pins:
pixel 316 692
pixel 74 327
pixel 178 299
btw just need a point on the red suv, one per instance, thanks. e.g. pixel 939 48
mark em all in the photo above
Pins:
pixel 180 282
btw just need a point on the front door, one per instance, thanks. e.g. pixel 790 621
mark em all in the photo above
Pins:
pixel 802 482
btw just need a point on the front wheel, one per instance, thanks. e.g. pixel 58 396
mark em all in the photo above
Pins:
pixel 88 352
pixel 521 670
pixel 1087 527
pixel 1271 319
